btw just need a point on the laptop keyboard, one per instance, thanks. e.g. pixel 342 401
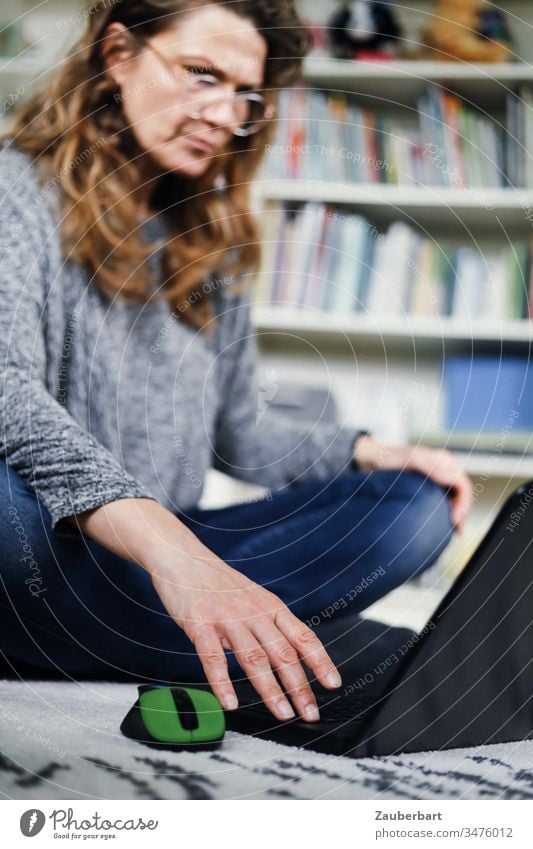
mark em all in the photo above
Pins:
pixel 343 709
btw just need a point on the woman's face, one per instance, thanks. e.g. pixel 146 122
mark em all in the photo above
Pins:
pixel 156 103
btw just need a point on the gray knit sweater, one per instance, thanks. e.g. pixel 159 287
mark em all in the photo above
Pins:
pixel 103 399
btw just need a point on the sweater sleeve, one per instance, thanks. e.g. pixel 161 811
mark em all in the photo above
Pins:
pixel 262 445
pixel 59 460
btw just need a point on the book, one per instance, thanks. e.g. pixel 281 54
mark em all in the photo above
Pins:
pixel 391 274
pixel 482 393
pixel 349 269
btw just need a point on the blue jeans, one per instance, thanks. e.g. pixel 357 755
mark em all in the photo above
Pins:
pixel 324 547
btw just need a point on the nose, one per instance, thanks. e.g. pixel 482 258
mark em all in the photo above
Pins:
pixel 220 112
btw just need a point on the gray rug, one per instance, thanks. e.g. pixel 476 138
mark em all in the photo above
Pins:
pixel 61 740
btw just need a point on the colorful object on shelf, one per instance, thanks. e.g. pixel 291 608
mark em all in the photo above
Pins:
pixel 461 30
pixel 320 45
pixel 488 393
pixel 11 40
pixel 364 30
pixel 493 25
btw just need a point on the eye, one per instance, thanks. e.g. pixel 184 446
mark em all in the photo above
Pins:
pixel 201 78
pixel 197 70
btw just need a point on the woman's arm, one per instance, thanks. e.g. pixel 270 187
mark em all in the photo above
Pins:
pixel 217 607
pixel 68 469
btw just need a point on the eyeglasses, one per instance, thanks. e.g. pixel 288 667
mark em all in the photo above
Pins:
pixel 249 107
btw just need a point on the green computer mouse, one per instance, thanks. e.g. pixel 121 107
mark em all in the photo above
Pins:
pixel 175 718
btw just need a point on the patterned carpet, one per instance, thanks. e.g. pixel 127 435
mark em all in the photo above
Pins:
pixel 61 740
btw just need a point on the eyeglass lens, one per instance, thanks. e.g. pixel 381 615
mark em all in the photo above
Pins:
pixel 249 108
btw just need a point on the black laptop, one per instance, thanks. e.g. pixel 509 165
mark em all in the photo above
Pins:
pixel 465 680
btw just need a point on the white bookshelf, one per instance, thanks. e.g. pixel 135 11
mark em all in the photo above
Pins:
pixel 365 359
pixel 391 332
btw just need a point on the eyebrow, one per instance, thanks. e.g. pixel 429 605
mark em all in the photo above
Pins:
pixel 212 69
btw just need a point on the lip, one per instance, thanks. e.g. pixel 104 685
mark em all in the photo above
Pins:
pixel 204 146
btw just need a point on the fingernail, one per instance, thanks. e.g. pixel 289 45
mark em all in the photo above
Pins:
pixel 333 679
pixel 311 713
pixel 285 710
pixel 230 702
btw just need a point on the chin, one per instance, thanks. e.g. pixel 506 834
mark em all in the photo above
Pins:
pixel 185 163
pixel 190 169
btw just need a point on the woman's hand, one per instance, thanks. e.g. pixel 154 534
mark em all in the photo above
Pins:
pixel 217 607
pixel 437 464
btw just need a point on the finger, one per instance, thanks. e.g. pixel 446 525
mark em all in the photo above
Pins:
pixel 460 492
pixel 309 647
pixel 448 473
pixel 286 662
pixel 209 648
pixel 461 500
pixel 254 661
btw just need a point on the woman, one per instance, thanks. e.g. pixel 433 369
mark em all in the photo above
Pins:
pixel 128 252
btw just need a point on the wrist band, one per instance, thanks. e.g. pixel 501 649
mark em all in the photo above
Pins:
pixel 358 435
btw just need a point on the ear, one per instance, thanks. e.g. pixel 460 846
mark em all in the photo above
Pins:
pixel 116 49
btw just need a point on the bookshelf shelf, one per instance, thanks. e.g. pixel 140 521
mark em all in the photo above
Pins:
pixel 435 205
pixel 406 80
pixel 407 332
pixel 20 66
pixel 498 466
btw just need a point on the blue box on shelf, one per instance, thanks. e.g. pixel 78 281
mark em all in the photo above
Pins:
pixel 486 393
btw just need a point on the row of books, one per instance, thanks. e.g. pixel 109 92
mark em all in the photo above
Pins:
pixel 314 255
pixel 445 142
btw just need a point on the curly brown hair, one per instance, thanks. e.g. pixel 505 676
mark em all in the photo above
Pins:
pixel 77 118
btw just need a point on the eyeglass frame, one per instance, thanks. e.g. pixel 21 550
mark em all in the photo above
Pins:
pixel 270 109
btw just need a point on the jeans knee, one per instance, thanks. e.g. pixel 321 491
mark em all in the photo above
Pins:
pixel 428 524
pixel 433 506
pixel 418 522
